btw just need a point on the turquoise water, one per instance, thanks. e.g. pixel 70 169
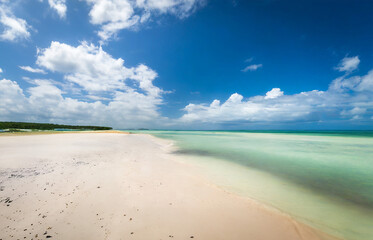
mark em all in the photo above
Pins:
pixel 324 179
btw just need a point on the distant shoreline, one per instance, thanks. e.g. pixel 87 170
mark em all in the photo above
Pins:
pixel 46 132
pixel 17 126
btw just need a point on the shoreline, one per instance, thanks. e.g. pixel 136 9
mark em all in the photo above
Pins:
pixel 110 169
pixel 171 147
pixel 46 132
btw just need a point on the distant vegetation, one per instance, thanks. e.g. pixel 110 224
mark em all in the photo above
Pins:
pixel 46 126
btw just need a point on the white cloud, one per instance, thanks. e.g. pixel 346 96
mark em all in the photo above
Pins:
pixel 47 103
pixel 180 8
pixel 357 110
pixel 13 28
pixel 348 64
pixel 274 93
pixel 355 83
pixel 116 95
pixel 115 15
pixel 1 70
pixel 86 65
pixel 354 113
pixel 59 6
pixel 257 108
pixel 347 97
pixel 33 70
pixel 12 100
pixel 94 70
pixel 112 16
pixel 252 67
pixel 45 89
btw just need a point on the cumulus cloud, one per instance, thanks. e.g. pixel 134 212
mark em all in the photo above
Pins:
pixel 32 70
pixel 346 97
pixel 348 64
pixel 355 83
pixel 94 70
pixel 252 67
pixel 44 103
pixel 13 28
pixel 1 70
pixel 116 95
pixel 274 93
pixel 12 99
pixel 85 65
pixel 115 15
pixel 180 8
pixel 354 113
pixel 59 6
pixel 254 109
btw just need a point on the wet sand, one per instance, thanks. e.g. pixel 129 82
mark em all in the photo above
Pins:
pixel 122 186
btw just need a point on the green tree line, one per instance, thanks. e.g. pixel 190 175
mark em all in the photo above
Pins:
pixel 47 126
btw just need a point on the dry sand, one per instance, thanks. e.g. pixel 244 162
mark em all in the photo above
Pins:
pixel 118 186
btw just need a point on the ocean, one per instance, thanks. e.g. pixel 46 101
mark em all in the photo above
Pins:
pixel 323 179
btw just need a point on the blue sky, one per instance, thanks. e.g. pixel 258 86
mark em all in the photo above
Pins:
pixel 188 64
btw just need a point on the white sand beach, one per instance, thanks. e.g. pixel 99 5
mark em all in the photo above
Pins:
pixel 122 186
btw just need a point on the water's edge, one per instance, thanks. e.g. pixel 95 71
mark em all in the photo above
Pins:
pixel 170 147
pixel 329 213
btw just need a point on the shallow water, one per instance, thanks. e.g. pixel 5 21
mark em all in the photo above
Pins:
pixel 324 179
